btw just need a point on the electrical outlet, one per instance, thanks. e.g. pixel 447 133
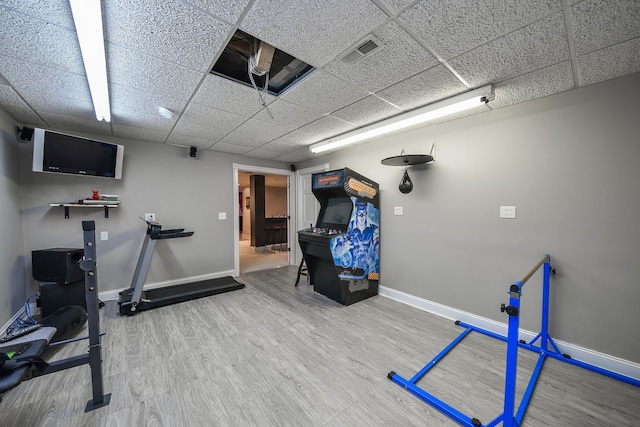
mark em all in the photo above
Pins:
pixel 149 217
pixel 508 212
pixel 222 215
pixel 397 210
pixel 104 235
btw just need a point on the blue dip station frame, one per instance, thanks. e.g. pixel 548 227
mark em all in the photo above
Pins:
pixel 511 416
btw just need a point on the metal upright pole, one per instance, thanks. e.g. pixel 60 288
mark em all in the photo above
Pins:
pixel 513 310
pixel 89 265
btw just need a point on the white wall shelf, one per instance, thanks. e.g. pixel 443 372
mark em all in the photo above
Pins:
pixel 66 207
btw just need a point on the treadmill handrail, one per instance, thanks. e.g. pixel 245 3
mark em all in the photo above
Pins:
pixel 155 232
pixel 172 235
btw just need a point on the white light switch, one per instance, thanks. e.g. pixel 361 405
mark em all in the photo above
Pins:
pixel 508 212
pixel 104 235
pixel 222 215
pixel 397 210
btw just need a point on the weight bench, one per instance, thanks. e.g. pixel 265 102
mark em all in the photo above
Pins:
pixel 58 326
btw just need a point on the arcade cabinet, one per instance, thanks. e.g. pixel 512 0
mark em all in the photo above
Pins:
pixel 342 251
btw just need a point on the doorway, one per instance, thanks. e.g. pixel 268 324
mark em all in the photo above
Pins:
pixel 264 242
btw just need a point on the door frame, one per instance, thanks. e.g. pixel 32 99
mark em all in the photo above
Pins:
pixel 323 167
pixel 291 209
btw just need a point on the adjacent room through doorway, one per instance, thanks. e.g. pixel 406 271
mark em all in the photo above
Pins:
pixel 263 221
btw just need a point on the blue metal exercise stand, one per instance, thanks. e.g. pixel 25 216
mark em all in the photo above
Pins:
pixel 509 418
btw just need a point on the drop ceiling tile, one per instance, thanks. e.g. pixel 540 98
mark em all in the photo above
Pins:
pixel 190 141
pixel 224 147
pixel 366 111
pixel 597 24
pixel 264 129
pixel 74 125
pixel 223 94
pixel 134 99
pixel 313 31
pixel 615 61
pixel 396 5
pixel 262 154
pixel 452 28
pixel 3 81
pixel 9 98
pixel 39 42
pixel 292 139
pixel 207 116
pixel 198 131
pixel 157 27
pixel 323 93
pixel 66 107
pixel 398 57
pixel 53 89
pixel 139 133
pixel 229 10
pixel 132 118
pixel 296 156
pixel 288 115
pixel 24 115
pixel 55 12
pixel 536 46
pixel 425 88
pixel 546 81
pixel 148 73
pixel 279 147
pixel 322 128
pixel 238 138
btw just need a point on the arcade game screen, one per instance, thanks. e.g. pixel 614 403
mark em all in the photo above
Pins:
pixel 337 212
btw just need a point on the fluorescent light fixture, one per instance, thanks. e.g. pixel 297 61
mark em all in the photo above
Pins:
pixel 87 16
pixel 429 112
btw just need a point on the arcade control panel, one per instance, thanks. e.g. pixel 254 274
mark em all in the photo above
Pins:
pixel 322 231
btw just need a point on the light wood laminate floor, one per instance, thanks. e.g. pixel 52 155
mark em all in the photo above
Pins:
pixel 273 354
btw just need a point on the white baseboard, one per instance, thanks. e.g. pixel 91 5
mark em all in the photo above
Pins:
pixel 591 357
pixel 114 294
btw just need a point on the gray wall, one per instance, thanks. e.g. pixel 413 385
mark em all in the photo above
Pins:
pixel 183 192
pixel 12 274
pixel 570 163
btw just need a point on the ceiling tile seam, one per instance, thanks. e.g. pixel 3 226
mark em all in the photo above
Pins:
pixel 205 12
pixel 232 31
pixel 204 74
pixel 389 102
pixel 446 62
pixel 253 116
pixel 38 18
pixel 566 12
pixel 383 7
pixel 25 102
pixel 502 35
pixel 435 54
pixel 201 82
pixel 388 19
pixel 400 11
pixel 310 123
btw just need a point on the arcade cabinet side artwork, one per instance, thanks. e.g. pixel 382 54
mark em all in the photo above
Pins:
pixel 342 251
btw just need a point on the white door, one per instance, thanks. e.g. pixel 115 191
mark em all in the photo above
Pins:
pixel 308 206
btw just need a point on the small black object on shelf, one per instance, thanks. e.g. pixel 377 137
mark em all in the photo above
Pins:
pixel 406 185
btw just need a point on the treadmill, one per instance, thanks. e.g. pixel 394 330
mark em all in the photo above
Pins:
pixel 136 299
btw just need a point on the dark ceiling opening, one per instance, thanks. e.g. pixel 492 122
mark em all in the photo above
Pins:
pixel 233 64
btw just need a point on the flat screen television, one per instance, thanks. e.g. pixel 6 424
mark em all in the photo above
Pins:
pixel 59 153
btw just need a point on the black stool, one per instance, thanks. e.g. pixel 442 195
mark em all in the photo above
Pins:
pixel 302 271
